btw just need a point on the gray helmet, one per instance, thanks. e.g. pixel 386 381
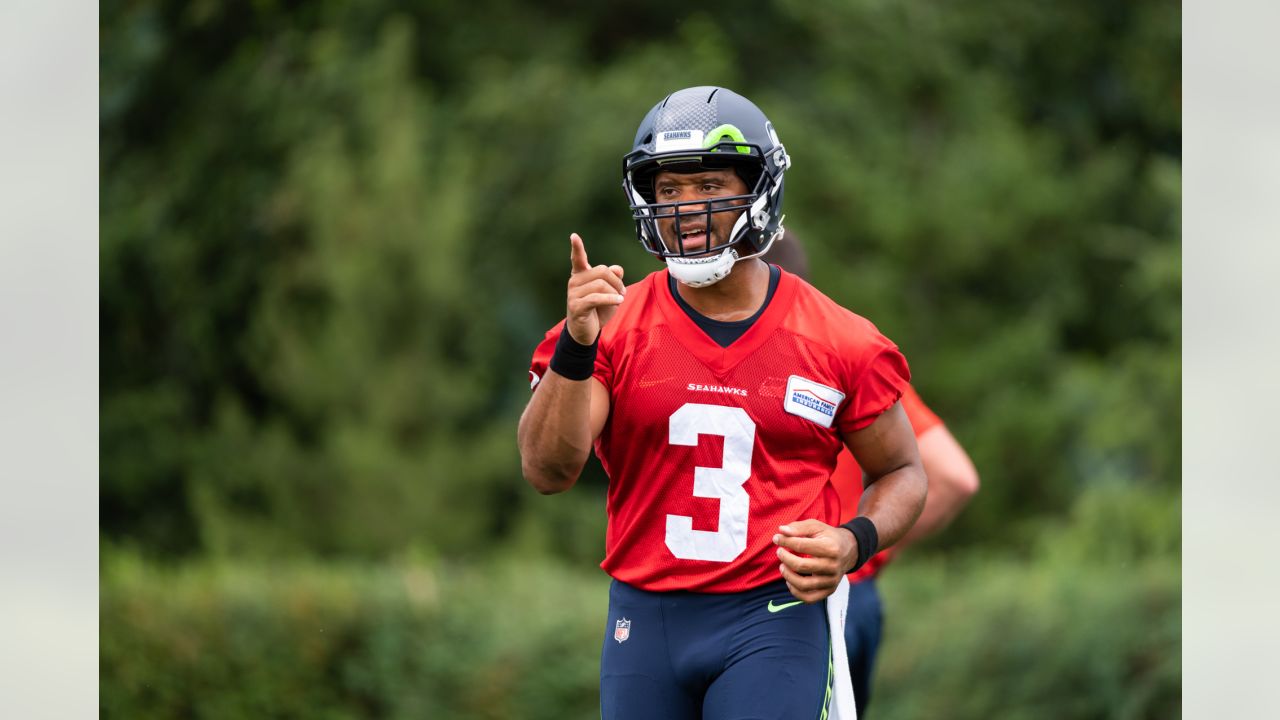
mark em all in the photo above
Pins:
pixel 708 128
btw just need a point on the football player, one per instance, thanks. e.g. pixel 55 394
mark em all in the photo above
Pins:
pixel 717 394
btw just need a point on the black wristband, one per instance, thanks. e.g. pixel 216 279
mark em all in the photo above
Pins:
pixel 864 531
pixel 572 360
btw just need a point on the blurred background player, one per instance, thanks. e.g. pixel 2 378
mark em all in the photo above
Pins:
pixel 952 482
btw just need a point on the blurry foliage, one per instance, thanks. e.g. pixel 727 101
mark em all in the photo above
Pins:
pixel 332 234
pixel 1085 624
pixel 1088 625
pixel 414 639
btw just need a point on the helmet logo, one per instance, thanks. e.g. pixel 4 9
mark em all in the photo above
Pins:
pixel 773 134
pixel 678 140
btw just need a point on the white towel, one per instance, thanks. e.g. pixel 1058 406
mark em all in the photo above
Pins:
pixel 842 707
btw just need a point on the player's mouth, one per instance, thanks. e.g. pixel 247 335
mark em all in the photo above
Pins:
pixel 693 240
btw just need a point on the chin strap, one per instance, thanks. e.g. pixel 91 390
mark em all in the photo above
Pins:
pixel 704 271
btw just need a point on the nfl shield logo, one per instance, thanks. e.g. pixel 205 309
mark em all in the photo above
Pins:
pixel 622 630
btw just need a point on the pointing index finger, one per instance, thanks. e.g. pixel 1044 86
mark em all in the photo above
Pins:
pixel 577 254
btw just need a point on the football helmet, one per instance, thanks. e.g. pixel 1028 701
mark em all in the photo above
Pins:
pixel 707 128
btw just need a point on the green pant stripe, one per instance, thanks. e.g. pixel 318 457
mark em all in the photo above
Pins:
pixel 831 672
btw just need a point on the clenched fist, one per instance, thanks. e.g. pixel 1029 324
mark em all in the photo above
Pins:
pixel 594 294
pixel 814 557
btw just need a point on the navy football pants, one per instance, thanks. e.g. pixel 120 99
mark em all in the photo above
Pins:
pixel 862 627
pixel 685 656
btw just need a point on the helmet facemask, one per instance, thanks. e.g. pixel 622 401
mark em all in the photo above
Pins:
pixel 749 236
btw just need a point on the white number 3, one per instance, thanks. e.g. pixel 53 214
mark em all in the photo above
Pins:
pixel 724 482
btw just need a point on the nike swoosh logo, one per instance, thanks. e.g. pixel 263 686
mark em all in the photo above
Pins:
pixel 775 608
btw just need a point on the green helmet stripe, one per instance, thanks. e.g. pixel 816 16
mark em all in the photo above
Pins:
pixel 726 132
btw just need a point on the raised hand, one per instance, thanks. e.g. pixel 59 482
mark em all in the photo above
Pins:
pixel 594 293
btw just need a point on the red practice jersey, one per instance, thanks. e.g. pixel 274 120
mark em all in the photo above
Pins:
pixel 848 478
pixel 709 449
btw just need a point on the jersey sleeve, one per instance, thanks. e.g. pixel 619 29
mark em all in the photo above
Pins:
pixel 877 383
pixel 542 360
pixel 542 356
